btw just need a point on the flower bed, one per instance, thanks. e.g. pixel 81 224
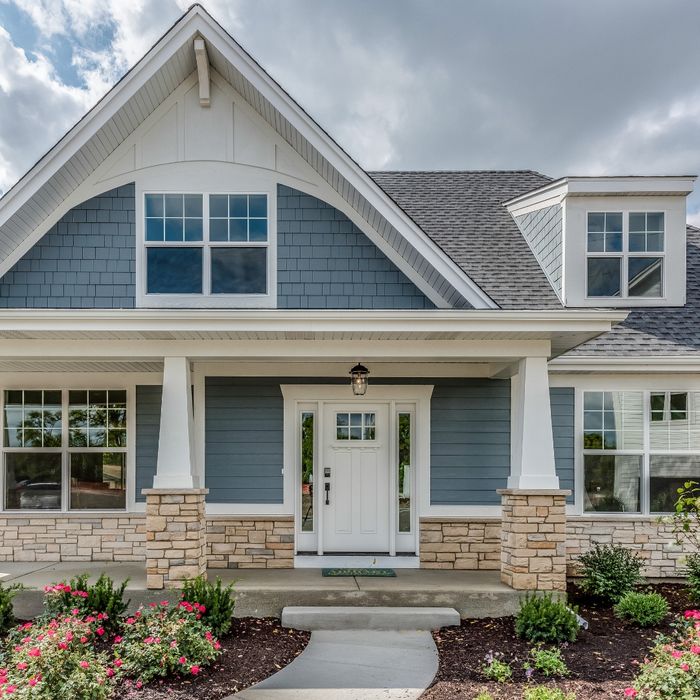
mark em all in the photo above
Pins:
pixel 602 663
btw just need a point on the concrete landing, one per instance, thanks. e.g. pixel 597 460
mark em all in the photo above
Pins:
pixel 265 592
pixel 354 665
pixel 360 618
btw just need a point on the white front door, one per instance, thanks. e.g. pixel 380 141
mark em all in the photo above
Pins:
pixel 355 478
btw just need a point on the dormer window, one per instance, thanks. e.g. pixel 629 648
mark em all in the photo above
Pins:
pixel 625 254
pixel 207 250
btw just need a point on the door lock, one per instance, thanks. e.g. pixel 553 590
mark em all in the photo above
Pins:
pixel 328 491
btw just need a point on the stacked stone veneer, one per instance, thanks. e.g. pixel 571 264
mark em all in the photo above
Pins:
pixel 250 543
pixel 533 539
pixel 43 537
pixel 653 540
pixel 455 543
pixel 176 536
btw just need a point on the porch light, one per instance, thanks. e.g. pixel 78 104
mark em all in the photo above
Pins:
pixel 358 379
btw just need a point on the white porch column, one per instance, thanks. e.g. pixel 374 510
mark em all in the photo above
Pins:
pixel 175 465
pixel 532 442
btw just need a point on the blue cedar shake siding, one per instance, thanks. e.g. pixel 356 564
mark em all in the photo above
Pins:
pixel 85 261
pixel 325 262
pixel 148 400
pixel 562 401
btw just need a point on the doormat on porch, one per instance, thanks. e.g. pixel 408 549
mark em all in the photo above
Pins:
pixel 358 572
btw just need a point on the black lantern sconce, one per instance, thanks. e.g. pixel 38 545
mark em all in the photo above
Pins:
pixel 358 379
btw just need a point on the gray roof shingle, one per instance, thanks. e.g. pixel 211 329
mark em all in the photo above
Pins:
pixel 463 212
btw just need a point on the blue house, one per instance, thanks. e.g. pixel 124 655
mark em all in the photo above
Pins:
pixel 223 344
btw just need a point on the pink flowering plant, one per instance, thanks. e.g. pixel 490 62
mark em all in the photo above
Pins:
pixel 160 639
pixel 102 597
pixel 672 671
pixel 56 660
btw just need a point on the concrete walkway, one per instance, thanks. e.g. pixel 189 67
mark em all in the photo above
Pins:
pixel 354 665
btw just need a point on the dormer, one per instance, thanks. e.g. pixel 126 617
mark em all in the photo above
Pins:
pixel 609 241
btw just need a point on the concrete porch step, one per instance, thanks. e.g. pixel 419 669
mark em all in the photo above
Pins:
pixel 313 618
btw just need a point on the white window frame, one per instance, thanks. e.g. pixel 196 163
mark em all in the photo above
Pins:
pixel 206 299
pixel 625 254
pixel 645 453
pixel 65 450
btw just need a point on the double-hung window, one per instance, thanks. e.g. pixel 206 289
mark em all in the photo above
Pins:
pixel 639 447
pixel 625 254
pixel 64 450
pixel 207 246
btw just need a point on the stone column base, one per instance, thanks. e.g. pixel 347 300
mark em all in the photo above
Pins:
pixel 533 539
pixel 176 536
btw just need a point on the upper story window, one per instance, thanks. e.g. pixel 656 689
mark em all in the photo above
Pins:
pixel 625 254
pixel 207 246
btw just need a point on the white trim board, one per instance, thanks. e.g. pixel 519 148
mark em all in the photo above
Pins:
pixel 362 561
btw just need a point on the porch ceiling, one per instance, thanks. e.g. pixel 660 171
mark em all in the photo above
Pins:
pixel 144 335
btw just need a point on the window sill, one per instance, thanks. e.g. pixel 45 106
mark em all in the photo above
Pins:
pixel 195 301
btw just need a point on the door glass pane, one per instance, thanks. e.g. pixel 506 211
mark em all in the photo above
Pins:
pixel 404 474
pixel 33 480
pixel 611 483
pixel 355 426
pixel 98 480
pixel 307 472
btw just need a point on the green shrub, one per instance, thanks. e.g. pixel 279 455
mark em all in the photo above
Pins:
pixel 609 571
pixel 692 573
pixel 102 598
pixel 643 609
pixel 545 692
pixel 496 670
pixel 7 615
pixel 672 669
pixel 544 619
pixel 549 662
pixel 56 660
pixel 218 602
pixel 160 640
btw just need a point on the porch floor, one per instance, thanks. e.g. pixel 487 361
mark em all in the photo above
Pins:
pixel 264 592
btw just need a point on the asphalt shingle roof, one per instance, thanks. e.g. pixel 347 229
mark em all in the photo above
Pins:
pixel 463 212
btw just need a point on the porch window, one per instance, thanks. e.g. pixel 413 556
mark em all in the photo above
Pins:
pixel 307 471
pixel 639 448
pixel 207 246
pixel 404 476
pixel 54 464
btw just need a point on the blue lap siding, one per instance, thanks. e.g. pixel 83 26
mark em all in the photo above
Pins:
pixel 562 402
pixel 148 400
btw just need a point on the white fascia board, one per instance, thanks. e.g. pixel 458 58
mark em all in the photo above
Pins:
pixel 97 116
pixel 344 164
pixel 198 22
pixel 671 185
pixel 626 364
pixel 320 321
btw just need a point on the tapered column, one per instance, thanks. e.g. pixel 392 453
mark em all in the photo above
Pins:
pixel 533 525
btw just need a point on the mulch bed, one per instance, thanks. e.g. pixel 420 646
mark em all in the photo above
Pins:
pixel 253 650
pixel 602 661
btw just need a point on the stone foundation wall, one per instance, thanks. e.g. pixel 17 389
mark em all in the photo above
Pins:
pixel 257 542
pixel 79 537
pixel 653 541
pixel 456 543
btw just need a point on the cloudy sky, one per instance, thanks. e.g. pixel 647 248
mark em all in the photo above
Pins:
pixel 560 86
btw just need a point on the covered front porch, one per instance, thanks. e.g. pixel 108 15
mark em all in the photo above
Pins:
pixel 245 446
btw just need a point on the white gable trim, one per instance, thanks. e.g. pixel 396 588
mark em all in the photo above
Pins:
pixel 196 22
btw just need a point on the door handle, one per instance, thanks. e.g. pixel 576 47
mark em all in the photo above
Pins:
pixel 328 491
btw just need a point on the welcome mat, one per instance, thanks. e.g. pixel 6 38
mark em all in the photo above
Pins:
pixel 359 572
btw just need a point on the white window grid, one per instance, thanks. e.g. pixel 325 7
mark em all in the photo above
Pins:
pixel 625 254
pixel 65 451
pixel 206 245
pixel 646 452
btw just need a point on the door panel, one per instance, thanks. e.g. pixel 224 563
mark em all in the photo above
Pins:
pixel 357 516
